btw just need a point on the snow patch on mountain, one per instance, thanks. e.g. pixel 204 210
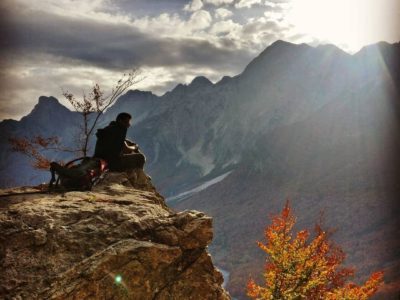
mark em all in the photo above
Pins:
pixel 195 156
pixel 203 186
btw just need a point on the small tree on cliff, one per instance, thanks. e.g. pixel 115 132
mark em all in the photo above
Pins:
pixel 297 268
pixel 94 104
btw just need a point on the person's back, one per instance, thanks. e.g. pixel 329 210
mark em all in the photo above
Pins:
pixel 110 142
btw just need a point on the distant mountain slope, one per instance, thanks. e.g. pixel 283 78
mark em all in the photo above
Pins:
pixel 342 159
pixel 48 118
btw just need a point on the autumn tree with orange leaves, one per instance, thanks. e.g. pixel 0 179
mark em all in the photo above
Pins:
pixel 300 267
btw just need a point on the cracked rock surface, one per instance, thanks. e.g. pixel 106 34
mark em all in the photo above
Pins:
pixel 115 242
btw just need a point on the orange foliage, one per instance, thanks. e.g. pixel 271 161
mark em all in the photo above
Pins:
pixel 297 268
pixel 31 147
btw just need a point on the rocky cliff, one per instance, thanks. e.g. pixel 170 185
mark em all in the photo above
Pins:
pixel 115 242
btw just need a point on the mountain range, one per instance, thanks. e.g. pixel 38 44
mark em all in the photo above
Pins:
pixel 315 125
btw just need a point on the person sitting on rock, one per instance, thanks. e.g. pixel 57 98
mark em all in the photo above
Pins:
pixel 112 146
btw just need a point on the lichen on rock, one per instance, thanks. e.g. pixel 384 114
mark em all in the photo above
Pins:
pixel 114 242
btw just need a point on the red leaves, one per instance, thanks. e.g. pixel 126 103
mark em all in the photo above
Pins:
pixel 252 289
pixel 352 291
pixel 299 268
pixel 33 147
pixel 286 211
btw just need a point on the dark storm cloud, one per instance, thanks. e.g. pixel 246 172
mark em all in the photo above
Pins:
pixel 107 45
pixel 39 50
pixel 7 38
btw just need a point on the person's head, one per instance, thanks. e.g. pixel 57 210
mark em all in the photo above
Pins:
pixel 124 119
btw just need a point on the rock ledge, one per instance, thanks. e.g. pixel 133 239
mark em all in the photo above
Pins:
pixel 115 242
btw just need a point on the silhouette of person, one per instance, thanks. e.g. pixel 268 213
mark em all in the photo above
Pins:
pixel 112 146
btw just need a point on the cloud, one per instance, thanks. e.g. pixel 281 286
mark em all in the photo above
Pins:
pixel 226 28
pixel 161 25
pixel 222 13
pixel 278 1
pixel 277 7
pixel 261 25
pixel 110 46
pixel 199 20
pixel 247 3
pixel 145 42
pixel 194 5
pixel 96 10
pixel 253 36
pixel 219 2
pixel 42 52
pixel 173 25
pixel 276 16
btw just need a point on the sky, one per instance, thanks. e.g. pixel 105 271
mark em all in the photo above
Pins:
pixel 50 46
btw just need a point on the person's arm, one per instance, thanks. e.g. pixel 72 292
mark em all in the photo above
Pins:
pixel 130 147
pixel 130 143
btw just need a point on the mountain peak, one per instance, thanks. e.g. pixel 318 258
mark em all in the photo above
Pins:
pixel 276 49
pixel 200 81
pixel 137 92
pixel 224 80
pixel 47 107
pixel 373 48
pixel 281 43
pixel 43 100
pixel 329 47
pixel 48 104
pixel 277 46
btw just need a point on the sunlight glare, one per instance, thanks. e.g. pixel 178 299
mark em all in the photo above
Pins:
pixel 348 23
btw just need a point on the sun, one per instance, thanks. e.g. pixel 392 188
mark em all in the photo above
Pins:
pixel 349 24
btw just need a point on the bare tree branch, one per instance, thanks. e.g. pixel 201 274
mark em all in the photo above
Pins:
pixel 96 103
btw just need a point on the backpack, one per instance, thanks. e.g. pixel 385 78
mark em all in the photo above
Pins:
pixel 79 174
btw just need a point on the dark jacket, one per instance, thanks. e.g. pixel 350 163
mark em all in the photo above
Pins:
pixel 110 142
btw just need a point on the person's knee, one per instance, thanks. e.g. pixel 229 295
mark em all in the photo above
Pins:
pixel 142 160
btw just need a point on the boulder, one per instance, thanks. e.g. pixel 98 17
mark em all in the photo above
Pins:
pixel 114 242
